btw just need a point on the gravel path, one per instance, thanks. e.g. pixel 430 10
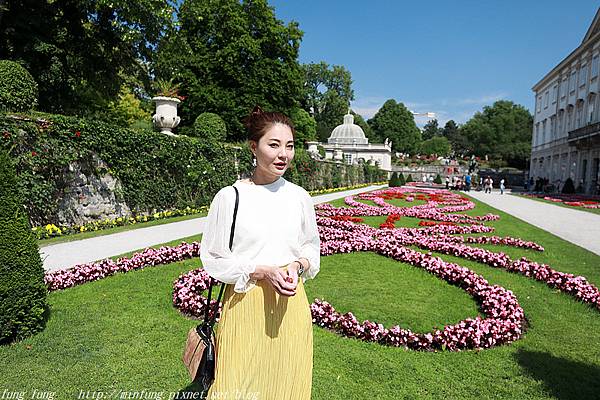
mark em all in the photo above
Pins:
pixel 64 255
pixel 579 227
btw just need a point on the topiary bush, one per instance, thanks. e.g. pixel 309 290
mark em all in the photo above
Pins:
pixel 438 179
pixel 401 179
pixel 22 289
pixel 409 178
pixel 394 180
pixel 18 89
pixel 568 187
pixel 209 126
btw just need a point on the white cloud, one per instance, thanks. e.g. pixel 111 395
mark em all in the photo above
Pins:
pixel 481 100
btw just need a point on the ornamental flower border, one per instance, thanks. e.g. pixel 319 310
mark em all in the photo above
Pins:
pixel 504 320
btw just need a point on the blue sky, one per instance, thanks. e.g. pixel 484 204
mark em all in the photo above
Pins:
pixel 447 57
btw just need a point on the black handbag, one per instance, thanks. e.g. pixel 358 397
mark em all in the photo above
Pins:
pixel 200 353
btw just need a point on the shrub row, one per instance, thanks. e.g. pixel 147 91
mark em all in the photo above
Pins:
pixel 157 172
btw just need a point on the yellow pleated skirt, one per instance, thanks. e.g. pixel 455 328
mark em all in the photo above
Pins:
pixel 265 346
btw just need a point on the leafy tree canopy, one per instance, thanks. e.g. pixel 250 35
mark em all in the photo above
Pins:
pixel 360 121
pixel 396 122
pixel 502 130
pixel 458 142
pixel 436 145
pixel 229 56
pixel 79 51
pixel 431 129
pixel 327 93
pixel 305 126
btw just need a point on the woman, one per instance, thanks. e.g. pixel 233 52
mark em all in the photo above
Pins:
pixel 488 184
pixel 264 336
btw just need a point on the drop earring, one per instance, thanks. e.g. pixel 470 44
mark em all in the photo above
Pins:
pixel 254 160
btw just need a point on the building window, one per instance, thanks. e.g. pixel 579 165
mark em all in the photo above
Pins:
pixel 546 99
pixel 561 120
pixel 348 158
pixel 583 75
pixel 595 66
pixel 543 141
pixel 554 90
pixel 563 88
pixel 591 104
pixel 572 81
pixel 539 104
pixel 579 115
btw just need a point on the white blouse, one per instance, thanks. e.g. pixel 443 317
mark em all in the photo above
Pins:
pixel 275 225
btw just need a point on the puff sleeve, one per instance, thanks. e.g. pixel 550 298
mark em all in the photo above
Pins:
pixel 309 238
pixel 218 261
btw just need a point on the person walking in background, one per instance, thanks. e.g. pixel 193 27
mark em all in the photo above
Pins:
pixel 488 184
pixel 447 182
pixel 502 186
pixel 468 182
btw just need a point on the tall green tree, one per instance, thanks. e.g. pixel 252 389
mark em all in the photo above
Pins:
pixel 327 94
pixel 501 131
pixel 458 142
pixel 396 122
pixel 230 55
pixel 431 129
pixel 80 51
pixel 305 126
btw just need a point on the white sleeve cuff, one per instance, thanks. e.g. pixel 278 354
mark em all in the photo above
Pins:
pixel 244 283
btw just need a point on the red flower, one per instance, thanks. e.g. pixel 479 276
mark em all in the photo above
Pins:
pixel 77 133
pixel 33 153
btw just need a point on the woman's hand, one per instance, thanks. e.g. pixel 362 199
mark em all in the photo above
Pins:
pixel 283 282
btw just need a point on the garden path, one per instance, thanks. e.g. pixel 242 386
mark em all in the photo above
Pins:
pixel 64 255
pixel 579 227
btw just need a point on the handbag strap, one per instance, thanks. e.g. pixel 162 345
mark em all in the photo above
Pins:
pixel 211 322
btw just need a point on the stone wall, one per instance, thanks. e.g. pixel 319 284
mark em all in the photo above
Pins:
pixel 90 193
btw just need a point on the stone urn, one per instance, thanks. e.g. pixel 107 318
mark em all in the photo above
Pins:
pixel 166 114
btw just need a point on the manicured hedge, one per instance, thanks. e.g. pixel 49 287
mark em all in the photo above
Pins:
pixel 157 172
pixel 18 89
pixel 22 290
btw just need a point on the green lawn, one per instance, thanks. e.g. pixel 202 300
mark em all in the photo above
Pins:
pixel 122 333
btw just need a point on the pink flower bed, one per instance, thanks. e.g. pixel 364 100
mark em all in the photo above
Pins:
pixel 82 273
